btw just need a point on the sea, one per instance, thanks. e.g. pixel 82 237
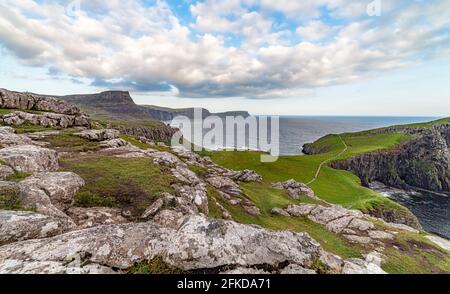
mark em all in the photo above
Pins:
pixel 433 211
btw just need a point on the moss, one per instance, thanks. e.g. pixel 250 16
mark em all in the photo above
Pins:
pixel 153 267
pixel 18 176
pixel 199 170
pixel 10 200
pixel 133 183
pixel 88 199
pixel 29 128
pixel 320 267
pixel 214 210
pixel 71 143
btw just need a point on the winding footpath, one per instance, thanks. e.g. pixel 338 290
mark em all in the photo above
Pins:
pixel 328 160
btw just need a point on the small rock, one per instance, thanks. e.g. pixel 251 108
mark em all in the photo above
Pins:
pixel 294 269
pixel 361 225
pixel 332 261
pixel 252 210
pixel 279 211
pixel 114 143
pixel 96 216
pixel 245 271
pixel 169 219
pixel 357 239
pixel 99 135
pixel 153 209
pixel 300 210
pixel 381 235
pixel 225 185
pixel 357 266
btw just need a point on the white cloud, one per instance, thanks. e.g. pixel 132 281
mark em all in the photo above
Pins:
pixel 149 46
pixel 314 30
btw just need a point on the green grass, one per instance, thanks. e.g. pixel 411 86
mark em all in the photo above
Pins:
pixel 29 128
pixel 10 200
pixel 134 141
pixel 131 184
pixel 155 266
pixel 18 176
pixel 4 111
pixel 414 254
pixel 334 186
pixel 71 143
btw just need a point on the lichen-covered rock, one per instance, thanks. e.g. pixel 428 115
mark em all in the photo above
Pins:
pixel 164 158
pixel 153 209
pixel 170 219
pixel 60 187
pixel 27 101
pixel 196 195
pixel 294 269
pixel 185 175
pixel 246 176
pixel 20 225
pixel 198 244
pixel 381 235
pixel 99 135
pixel 45 119
pixel 300 210
pixel 358 266
pixel 8 137
pixel 95 216
pixel 202 243
pixel 296 189
pixel 30 158
pixel 225 185
pixel 32 197
pixel 279 211
pixel 114 143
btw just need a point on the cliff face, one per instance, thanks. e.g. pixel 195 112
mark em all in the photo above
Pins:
pixel 423 162
pixel 167 114
pixel 156 134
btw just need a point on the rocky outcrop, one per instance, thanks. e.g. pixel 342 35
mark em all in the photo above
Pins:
pixel 245 176
pixel 46 120
pixel 30 158
pixel 18 226
pixel 198 244
pixel 296 189
pixel 423 162
pixel 27 101
pixel 8 137
pixel 86 218
pixel 354 226
pixel 60 187
pixel 99 135
pixel 158 133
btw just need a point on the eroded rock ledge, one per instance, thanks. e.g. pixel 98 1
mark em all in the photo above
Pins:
pixel 198 244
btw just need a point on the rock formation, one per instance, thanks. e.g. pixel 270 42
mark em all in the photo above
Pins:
pixel 422 162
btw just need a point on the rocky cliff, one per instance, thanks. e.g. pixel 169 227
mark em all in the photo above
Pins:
pixel 422 162
pixel 167 114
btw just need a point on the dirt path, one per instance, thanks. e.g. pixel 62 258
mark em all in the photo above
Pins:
pixel 328 160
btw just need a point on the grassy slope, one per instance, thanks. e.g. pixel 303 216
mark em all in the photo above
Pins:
pixel 132 183
pixel 335 186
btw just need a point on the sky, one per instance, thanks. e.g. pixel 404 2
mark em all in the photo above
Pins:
pixel 287 57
